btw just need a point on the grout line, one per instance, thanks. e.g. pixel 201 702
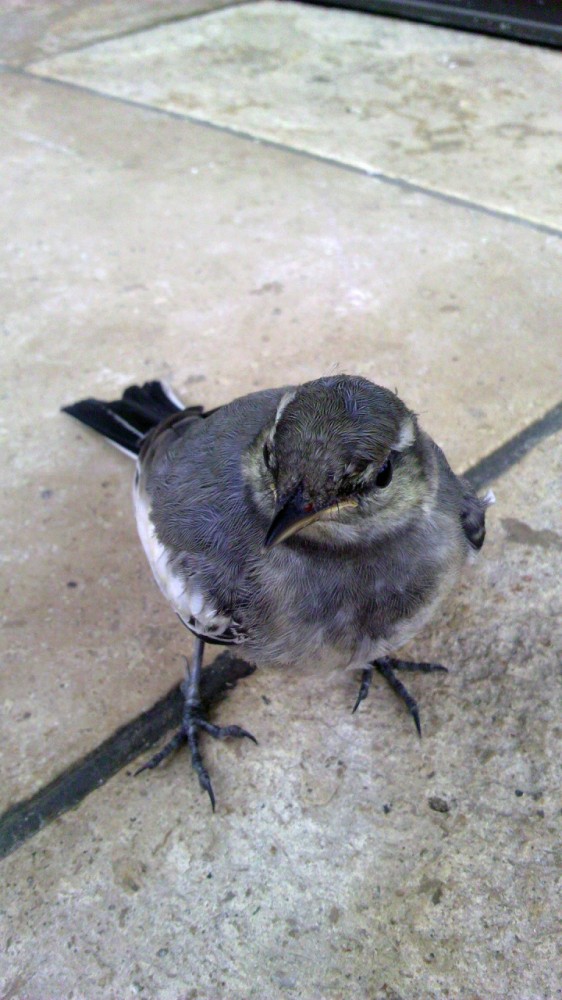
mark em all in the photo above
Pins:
pixel 24 819
pixel 514 449
pixel 330 161
pixel 170 19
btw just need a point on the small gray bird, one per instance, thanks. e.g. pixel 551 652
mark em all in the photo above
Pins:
pixel 292 519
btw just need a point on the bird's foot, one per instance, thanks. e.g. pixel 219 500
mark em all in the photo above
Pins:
pixel 366 678
pixel 192 723
pixel 386 667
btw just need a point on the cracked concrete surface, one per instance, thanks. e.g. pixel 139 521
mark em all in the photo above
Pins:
pixel 346 859
pixel 38 28
pixel 102 207
pixel 446 110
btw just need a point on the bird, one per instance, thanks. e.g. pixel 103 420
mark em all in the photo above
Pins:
pixel 290 520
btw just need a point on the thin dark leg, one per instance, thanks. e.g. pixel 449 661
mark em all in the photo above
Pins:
pixel 192 722
pixel 190 686
pixel 386 667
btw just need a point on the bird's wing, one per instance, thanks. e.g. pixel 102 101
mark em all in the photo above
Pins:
pixel 196 520
pixel 166 432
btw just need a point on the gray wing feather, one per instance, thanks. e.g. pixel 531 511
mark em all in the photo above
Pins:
pixel 201 506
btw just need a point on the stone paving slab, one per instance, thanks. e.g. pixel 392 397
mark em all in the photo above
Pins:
pixel 463 114
pixel 39 28
pixel 139 246
pixel 346 859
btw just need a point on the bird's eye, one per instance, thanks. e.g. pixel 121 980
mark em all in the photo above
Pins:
pixel 268 457
pixel 384 475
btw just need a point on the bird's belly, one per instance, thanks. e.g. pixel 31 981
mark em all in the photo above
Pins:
pixel 361 615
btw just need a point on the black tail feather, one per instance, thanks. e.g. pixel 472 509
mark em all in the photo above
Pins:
pixel 153 399
pixel 126 421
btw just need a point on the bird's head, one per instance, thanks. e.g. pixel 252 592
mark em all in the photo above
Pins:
pixel 342 461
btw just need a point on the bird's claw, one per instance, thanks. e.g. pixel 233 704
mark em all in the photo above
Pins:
pixel 386 667
pixel 223 732
pixel 366 678
pixel 192 722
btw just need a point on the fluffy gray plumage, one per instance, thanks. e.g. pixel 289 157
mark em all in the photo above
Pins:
pixel 290 520
pixel 363 581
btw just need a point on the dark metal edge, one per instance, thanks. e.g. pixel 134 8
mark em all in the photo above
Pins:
pixel 510 24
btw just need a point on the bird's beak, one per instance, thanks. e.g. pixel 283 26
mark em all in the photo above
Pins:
pixel 289 518
pixel 294 515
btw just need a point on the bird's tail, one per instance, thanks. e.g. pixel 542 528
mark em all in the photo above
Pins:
pixel 126 421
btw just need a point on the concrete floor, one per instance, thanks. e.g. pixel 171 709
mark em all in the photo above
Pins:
pixel 235 199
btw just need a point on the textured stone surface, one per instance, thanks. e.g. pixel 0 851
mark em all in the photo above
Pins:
pixel 346 859
pixel 35 28
pixel 460 113
pixel 140 247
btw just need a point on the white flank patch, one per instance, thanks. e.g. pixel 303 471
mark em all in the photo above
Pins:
pixel 188 602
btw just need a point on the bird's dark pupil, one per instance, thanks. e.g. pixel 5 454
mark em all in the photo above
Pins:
pixel 384 475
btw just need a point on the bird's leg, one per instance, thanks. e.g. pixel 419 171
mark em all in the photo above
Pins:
pixel 193 720
pixel 386 667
